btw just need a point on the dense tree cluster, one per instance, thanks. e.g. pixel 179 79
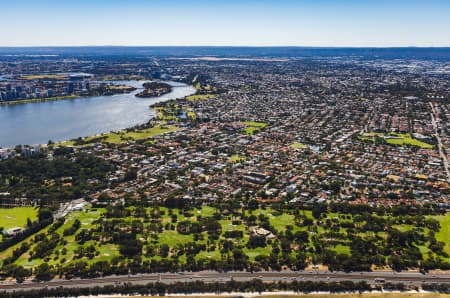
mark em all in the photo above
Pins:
pixel 253 286
pixel 52 181
pixel 373 238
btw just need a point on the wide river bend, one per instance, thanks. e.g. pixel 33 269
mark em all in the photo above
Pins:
pixel 36 123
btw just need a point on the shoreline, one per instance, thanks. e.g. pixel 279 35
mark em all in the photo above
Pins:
pixel 173 84
pixel 123 90
pixel 38 100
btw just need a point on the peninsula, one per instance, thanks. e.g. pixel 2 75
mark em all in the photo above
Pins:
pixel 154 89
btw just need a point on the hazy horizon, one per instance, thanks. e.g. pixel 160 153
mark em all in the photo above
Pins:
pixel 225 46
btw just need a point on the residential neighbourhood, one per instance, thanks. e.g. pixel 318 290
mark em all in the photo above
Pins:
pixel 329 164
pixel 342 130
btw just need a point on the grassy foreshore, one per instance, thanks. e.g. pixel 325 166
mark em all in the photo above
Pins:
pixel 121 136
pixel 34 100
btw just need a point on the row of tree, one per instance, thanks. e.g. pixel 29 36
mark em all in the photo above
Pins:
pixel 198 287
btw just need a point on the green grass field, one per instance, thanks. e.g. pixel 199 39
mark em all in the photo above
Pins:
pixel 255 124
pixel 342 249
pixel 201 97
pixel 86 219
pixel 17 217
pixel 444 234
pixel 399 139
pixel 253 127
pixel 236 158
pixel 190 113
pixel 45 77
pixel 298 146
pixel 123 136
pixel 120 137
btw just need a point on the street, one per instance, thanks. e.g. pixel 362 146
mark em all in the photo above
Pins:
pixel 408 278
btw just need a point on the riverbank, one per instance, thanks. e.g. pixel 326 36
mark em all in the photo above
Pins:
pixel 87 116
pixel 120 136
pixel 36 100
pixel 111 89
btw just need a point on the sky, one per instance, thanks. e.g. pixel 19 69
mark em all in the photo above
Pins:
pixel 366 23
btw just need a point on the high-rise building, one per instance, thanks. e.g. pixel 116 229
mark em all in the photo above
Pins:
pixel 70 88
pixel 26 152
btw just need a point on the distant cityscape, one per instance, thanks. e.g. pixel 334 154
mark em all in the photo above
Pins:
pixel 46 87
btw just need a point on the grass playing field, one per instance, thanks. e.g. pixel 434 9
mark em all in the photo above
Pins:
pixel 444 234
pixel 398 139
pixel 16 217
pixel 298 146
pixel 253 127
pixel 237 158
pixel 201 97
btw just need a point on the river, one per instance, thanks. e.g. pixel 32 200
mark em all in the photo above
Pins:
pixel 36 123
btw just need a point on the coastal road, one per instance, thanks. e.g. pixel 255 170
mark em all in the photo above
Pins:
pixel 408 278
pixel 442 152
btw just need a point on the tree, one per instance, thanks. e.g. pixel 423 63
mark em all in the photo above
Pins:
pixel 44 272
pixel 253 205
pixel 130 248
pixel 256 241
pixel 44 213
pixel 130 175
pixel 20 273
pixel 318 209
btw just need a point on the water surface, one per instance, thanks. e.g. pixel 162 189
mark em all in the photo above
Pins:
pixel 37 123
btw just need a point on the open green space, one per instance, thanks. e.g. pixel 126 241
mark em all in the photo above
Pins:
pixel 399 139
pixel 444 233
pixel 200 97
pixel 253 127
pixel 297 145
pixel 221 233
pixel 255 124
pixel 121 136
pixel 171 112
pixel 342 249
pixel 17 217
pixel 236 158
pixel 45 77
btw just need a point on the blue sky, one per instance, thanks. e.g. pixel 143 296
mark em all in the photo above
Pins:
pixel 230 22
